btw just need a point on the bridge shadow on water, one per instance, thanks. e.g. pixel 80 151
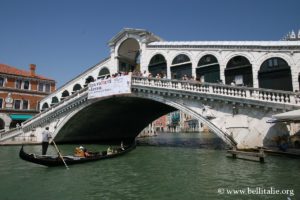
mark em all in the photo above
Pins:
pixel 184 140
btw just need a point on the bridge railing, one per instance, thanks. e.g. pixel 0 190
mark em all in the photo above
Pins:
pixel 260 94
pixel 16 131
pixel 10 133
pixel 56 106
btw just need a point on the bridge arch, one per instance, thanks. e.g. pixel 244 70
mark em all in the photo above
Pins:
pixel 64 94
pixel 88 80
pixel 76 87
pixel 128 54
pixel 103 72
pixel 181 65
pixel 45 106
pixel 54 100
pixel 6 120
pixel 158 65
pixel 265 57
pixel 239 70
pixel 208 69
pixel 275 73
pixel 144 110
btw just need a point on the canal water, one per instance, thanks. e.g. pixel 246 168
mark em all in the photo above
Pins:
pixel 174 166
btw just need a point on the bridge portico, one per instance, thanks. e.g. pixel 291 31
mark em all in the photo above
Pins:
pixel 238 110
pixel 134 49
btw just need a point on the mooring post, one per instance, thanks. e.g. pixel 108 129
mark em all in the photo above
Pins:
pixel 233 154
pixel 261 155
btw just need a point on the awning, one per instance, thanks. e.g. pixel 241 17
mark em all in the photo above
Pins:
pixel 20 117
pixel 291 116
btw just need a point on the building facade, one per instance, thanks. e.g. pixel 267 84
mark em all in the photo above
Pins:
pixel 20 94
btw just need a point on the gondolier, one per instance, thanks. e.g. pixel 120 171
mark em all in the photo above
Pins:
pixel 45 140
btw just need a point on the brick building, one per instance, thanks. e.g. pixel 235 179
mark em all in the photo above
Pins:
pixel 20 94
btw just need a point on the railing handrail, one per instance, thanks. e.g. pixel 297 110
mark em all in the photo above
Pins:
pixel 194 82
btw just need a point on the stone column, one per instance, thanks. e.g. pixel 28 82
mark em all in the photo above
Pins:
pixel 295 76
pixel 222 72
pixel 255 69
pixel 194 65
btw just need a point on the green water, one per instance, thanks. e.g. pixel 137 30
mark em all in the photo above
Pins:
pixel 148 172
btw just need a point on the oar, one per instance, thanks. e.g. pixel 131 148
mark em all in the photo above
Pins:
pixel 61 157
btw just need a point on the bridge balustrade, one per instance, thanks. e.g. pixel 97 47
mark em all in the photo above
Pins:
pixel 266 95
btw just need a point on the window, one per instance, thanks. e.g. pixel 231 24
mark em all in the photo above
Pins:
pixel 47 87
pixel 180 59
pixel 17 104
pixel 1 103
pixel 103 72
pixel 18 84
pixel 270 63
pixel 65 94
pixel 45 106
pixel 26 85
pixel 41 87
pixel 25 105
pixel 1 81
pixel 54 100
pixel 207 59
pixel 273 62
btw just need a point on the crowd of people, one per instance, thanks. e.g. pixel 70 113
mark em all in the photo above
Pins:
pixel 163 75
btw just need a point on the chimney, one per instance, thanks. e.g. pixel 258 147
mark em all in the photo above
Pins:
pixel 32 69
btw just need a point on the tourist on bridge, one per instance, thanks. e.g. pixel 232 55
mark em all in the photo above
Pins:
pixel 145 74
pixel 45 140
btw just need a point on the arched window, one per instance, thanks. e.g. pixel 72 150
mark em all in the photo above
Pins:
pixel 89 80
pixel 76 87
pixel 103 73
pixel 65 94
pixel 129 55
pixel 208 69
pixel 181 67
pixel 275 73
pixel 45 106
pixel 182 58
pixel 54 100
pixel 239 71
pixel 158 65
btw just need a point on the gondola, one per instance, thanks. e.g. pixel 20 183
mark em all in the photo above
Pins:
pixel 52 161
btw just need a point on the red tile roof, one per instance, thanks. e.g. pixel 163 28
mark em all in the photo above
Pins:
pixel 6 69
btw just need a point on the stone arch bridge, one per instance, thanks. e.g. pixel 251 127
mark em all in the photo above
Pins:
pixel 240 112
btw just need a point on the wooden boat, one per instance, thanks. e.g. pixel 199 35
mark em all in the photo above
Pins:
pixel 52 161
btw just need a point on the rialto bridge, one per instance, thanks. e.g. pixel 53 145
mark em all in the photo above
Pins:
pixel 266 76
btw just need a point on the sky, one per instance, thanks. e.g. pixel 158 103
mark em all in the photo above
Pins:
pixel 66 37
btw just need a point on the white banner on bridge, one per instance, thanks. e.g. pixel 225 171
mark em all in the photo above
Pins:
pixel 110 86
